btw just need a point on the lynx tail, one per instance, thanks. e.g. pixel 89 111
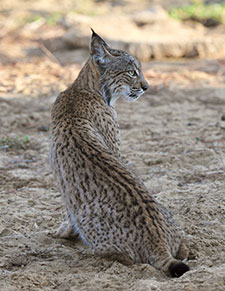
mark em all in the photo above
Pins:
pixel 178 269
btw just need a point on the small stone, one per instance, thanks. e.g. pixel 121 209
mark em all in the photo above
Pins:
pixel 43 128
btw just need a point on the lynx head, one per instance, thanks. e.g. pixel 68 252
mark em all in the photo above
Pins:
pixel 120 73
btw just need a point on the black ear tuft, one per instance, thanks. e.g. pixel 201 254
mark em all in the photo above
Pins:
pixel 95 35
pixel 93 32
pixel 178 269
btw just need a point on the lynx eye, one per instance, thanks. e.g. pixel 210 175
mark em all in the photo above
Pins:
pixel 132 73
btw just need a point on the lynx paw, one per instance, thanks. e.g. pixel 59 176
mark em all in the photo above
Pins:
pixel 66 230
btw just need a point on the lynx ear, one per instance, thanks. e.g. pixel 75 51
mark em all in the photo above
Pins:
pixel 99 50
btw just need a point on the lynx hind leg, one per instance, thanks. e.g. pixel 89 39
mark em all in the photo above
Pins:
pixel 113 255
pixel 183 251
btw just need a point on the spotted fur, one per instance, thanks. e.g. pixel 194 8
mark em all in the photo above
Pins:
pixel 107 205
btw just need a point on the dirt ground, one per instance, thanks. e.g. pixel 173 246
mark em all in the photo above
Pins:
pixel 174 138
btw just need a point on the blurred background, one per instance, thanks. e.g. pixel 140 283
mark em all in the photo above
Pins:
pixel 60 30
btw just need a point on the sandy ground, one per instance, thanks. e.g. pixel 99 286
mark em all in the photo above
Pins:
pixel 174 138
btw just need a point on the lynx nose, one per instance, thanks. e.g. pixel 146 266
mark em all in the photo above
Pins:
pixel 144 86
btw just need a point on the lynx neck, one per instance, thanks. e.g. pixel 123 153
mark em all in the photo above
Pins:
pixel 88 79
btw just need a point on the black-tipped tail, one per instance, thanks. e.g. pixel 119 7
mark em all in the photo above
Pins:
pixel 178 269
